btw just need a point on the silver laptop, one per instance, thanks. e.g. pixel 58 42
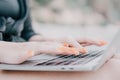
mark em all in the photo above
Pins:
pixel 91 61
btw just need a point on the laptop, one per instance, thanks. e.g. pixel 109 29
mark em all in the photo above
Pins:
pixel 90 61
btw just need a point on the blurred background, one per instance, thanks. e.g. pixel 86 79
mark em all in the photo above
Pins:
pixel 66 17
pixel 76 12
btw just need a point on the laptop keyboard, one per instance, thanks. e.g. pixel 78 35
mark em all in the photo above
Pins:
pixel 72 59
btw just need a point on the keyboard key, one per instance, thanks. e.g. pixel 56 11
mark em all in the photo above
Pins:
pixel 72 59
pixel 88 58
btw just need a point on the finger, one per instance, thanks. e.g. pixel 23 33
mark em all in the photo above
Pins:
pixel 102 42
pixel 75 44
pixel 68 51
pixel 93 42
pixel 65 44
pixel 99 43
pixel 86 44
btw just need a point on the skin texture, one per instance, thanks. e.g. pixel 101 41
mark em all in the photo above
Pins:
pixel 78 43
pixel 19 52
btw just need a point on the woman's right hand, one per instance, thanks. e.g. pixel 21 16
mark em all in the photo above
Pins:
pixel 16 53
pixel 53 48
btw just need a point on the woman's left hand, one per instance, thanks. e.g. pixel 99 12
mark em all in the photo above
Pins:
pixel 78 43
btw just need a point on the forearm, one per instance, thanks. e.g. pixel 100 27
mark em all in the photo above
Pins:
pixel 15 53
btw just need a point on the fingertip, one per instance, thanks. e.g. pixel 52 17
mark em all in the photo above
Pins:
pixel 83 50
pixel 74 51
pixel 68 50
pixel 102 42
pixel 65 44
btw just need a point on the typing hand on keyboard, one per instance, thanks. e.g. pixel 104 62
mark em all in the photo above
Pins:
pixel 73 59
pixel 69 51
pixel 79 44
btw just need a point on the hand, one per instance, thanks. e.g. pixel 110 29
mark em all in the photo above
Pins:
pixel 20 52
pixel 54 48
pixel 78 43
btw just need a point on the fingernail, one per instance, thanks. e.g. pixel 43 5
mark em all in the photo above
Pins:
pixel 101 42
pixel 74 51
pixel 69 50
pixel 83 50
pixel 65 44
